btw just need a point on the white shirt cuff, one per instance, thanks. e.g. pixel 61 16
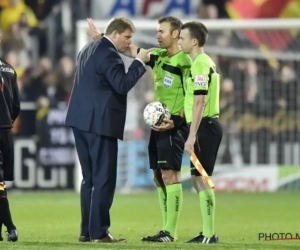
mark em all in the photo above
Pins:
pixel 140 61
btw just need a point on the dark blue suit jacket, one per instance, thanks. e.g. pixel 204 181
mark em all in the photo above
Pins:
pixel 99 96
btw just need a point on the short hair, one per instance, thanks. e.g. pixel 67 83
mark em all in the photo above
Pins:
pixel 173 21
pixel 197 31
pixel 119 24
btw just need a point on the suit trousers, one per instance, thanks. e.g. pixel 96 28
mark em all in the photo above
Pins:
pixel 98 158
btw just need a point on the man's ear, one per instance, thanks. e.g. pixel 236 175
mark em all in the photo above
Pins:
pixel 175 34
pixel 194 42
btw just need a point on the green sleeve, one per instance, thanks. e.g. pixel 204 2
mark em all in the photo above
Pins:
pixel 153 57
pixel 200 78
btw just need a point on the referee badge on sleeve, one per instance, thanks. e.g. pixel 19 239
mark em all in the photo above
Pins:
pixel 200 81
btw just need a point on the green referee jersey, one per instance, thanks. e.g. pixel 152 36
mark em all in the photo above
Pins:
pixel 170 73
pixel 203 79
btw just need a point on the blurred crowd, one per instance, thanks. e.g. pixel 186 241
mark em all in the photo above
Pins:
pixel 259 94
pixel 34 42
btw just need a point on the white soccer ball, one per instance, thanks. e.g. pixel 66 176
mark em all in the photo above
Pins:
pixel 155 113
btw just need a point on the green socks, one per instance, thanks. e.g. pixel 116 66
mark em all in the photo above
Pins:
pixel 174 204
pixel 162 197
pixel 170 201
pixel 207 205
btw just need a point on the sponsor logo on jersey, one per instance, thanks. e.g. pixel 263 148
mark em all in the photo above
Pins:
pixel 5 69
pixel 168 81
pixel 200 81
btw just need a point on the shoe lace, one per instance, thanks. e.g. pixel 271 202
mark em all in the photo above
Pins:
pixel 198 235
pixel 164 233
pixel 161 232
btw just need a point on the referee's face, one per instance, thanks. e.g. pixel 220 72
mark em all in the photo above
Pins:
pixel 185 41
pixel 164 35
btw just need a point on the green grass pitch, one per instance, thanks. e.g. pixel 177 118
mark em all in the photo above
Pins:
pixel 51 221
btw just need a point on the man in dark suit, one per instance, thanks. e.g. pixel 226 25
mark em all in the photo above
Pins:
pixel 97 112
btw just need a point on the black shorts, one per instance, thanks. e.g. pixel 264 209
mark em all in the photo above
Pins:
pixel 209 136
pixel 7 152
pixel 166 148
